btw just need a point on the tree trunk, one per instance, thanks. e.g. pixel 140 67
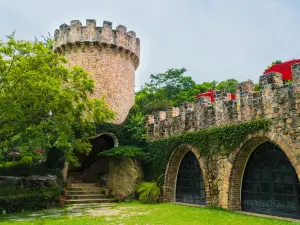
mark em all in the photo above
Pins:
pixel 65 171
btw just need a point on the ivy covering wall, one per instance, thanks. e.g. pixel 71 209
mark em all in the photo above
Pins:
pixel 223 138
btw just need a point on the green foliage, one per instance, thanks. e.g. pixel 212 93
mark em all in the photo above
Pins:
pixel 43 103
pixel 13 200
pixel 16 169
pixel 288 82
pixel 135 125
pixel 116 129
pixel 215 140
pixel 227 86
pixel 148 192
pixel 164 87
pixel 257 87
pixel 26 160
pixel 48 41
pixel 123 151
pixel 274 63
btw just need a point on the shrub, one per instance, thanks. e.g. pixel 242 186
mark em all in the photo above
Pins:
pixel 123 151
pixel 23 169
pixel 13 200
pixel 148 192
pixel 26 160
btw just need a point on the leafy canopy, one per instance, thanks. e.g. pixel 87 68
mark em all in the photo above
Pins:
pixel 43 103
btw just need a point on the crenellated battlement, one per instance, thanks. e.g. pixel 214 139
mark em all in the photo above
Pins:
pixel 275 101
pixel 75 35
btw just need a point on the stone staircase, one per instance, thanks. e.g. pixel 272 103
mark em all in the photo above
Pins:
pixel 83 193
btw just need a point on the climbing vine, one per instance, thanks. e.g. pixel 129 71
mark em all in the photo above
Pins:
pixel 116 129
pixel 210 142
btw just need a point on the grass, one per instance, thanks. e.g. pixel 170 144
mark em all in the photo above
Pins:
pixel 142 214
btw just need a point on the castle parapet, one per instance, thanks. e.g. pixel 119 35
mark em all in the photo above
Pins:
pixel 274 79
pixel 275 101
pixel 75 33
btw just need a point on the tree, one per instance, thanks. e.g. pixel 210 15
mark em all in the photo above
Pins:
pixel 164 90
pixel 44 104
pixel 48 41
pixel 227 85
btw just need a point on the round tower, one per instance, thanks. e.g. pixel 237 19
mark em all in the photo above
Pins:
pixel 109 56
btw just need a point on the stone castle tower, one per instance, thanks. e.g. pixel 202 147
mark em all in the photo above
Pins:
pixel 109 56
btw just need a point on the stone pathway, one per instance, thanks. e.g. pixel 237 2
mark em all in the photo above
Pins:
pixel 108 210
pixel 104 209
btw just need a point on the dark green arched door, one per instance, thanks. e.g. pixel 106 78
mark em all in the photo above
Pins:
pixel 270 183
pixel 190 184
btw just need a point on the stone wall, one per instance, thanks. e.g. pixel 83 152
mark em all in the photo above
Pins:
pixel 223 173
pixel 275 101
pixel 109 56
pixel 34 181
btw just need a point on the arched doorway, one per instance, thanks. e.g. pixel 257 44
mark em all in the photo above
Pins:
pixel 190 186
pixel 92 166
pixel 270 183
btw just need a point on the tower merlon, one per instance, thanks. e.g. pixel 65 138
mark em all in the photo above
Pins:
pixel 77 33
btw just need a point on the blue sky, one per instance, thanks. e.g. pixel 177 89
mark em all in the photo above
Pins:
pixel 212 39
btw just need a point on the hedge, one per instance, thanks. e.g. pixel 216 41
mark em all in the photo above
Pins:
pixel 14 200
pixel 28 170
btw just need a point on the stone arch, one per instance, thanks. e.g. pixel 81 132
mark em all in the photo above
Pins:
pixel 114 137
pixel 172 169
pixel 90 163
pixel 232 183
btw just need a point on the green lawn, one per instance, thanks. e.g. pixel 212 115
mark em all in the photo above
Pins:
pixel 135 213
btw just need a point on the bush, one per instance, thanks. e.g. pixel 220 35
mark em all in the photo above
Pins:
pixel 13 200
pixel 148 192
pixel 26 160
pixel 123 151
pixel 23 169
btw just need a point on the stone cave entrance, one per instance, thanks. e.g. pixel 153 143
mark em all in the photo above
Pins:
pixel 92 166
pixel 270 184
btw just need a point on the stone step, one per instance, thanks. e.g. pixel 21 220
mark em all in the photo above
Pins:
pixel 76 181
pixel 91 200
pixel 82 185
pixel 87 196
pixel 85 192
pixel 85 189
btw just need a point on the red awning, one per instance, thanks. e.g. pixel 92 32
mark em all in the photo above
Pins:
pixel 284 68
pixel 211 94
pixel 207 94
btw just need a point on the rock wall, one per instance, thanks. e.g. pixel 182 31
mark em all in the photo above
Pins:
pixel 124 174
pixel 34 181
